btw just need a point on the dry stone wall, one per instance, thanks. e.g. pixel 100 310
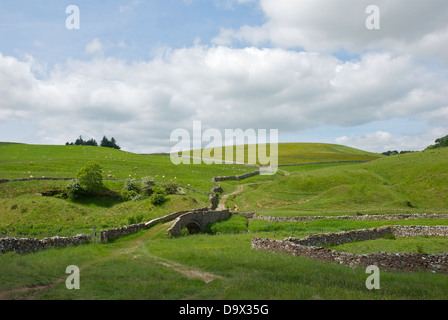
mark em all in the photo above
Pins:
pixel 323 162
pixel 29 245
pixel 241 177
pixel 31 179
pixel 362 217
pixel 311 247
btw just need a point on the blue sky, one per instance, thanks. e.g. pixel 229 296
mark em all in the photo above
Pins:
pixel 38 27
pixel 139 69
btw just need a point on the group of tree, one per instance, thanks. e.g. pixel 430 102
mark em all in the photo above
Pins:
pixel 112 143
pixel 81 142
pixel 109 143
pixel 440 143
pixel 395 152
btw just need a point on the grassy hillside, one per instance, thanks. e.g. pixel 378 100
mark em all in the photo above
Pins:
pixel 151 266
pixel 23 212
pixel 296 153
pixel 220 265
pixel 416 182
pixel 23 161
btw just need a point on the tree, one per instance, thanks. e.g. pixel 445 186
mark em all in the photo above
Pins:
pixel 79 141
pixel 90 177
pixel 440 143
pixel 391 153
pixel 104 142
pixel 91 142
pixel 109 144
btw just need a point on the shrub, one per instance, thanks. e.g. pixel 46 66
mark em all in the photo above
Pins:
pixel 75 189
pixel 158 199
pixel 160 190
pixel 128 195
pixel 137 218
pixel 90 177
pixel 136 197
pixel 147 186
pixel 170 187
pixel 130 185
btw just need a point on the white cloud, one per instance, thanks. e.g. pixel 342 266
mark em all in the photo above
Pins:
pixel 382 141
pixel 94 47
pixel 140 103
pixel 417 27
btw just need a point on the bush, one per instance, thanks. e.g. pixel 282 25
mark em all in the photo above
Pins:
pixel 160 190
pixel 147 186
pixel 90 177
pixel 75 189
pixel 135 219
pixel 136 197
pixel 131 185
pixel 170 187
pixel 129 195
pixel 158 199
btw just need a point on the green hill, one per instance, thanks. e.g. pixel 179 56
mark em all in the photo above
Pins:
pixel 151 265
pixel 298 153
pixel 415 182
pixel 23 160
pixel 292 153
pixel 24 212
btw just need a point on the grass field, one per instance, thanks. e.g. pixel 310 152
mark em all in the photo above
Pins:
pixel 219 264
pixel 23 213
pixel 290 153
pixel 149 265
pixel 430 245
pixel 409 183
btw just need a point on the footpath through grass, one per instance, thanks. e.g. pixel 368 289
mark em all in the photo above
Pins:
pixel 151 266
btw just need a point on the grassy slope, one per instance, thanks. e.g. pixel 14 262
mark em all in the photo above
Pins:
pixel 24 213
pixel 416 182
pixel 130 268
pixel 429 245
pixel 295 153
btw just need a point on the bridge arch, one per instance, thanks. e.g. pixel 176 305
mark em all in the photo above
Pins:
pixel 197 221
pixel 193 227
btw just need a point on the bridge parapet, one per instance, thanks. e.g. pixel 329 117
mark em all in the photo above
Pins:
pixel 197 221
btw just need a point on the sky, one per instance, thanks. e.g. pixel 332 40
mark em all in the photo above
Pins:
pixel 136 70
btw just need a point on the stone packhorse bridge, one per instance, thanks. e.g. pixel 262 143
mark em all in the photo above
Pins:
pixel 197 221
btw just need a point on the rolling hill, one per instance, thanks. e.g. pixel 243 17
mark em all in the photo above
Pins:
pixel 151 265
pixel 415 182
pixel 296 153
